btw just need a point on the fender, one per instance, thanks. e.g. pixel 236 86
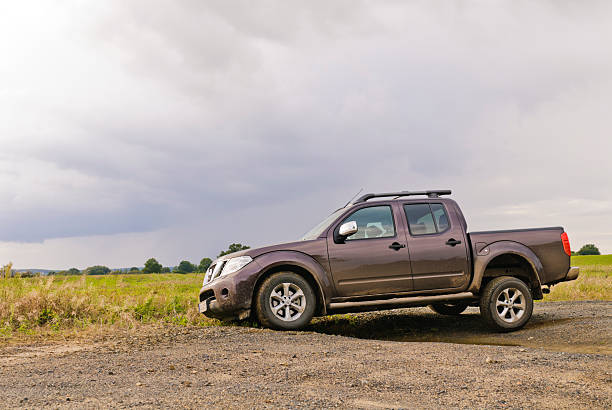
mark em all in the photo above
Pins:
pixel 500 248
pixel 274 259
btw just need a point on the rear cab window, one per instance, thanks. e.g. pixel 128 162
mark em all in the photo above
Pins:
pixel 426 219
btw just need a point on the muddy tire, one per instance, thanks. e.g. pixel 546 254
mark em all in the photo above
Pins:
pixel 285 301
pixel 449 309
pixel 506 304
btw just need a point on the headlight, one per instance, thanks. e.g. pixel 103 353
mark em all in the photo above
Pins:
pixel 235 264
pixel 225 268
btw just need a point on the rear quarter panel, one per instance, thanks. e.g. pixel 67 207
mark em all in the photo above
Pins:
pixel 545 243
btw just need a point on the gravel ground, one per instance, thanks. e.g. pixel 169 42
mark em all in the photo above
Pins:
pixel 561 360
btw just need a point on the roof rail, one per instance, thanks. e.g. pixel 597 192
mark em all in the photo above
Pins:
pixel 430 194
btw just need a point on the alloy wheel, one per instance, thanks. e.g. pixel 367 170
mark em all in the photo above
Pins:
pixel 510 305
pixel 287 301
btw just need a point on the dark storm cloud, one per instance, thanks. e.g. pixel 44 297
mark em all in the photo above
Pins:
pixel 226 121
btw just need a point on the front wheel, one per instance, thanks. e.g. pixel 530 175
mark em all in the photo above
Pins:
pixel 285 301
pixel 506 304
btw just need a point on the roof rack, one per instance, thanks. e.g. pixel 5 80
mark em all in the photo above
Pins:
pixel 430 194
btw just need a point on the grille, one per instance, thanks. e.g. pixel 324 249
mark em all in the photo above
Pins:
pixel 214 271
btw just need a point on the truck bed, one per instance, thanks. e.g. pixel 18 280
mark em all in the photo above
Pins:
pixel 544 242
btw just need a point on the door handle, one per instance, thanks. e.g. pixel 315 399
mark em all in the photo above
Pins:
pixel 452 242
pixel 397 246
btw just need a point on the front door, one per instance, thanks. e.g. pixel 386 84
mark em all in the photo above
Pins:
pixel 374 260
pixel 437 247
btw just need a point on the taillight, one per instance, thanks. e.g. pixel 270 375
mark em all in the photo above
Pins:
pixel 566 244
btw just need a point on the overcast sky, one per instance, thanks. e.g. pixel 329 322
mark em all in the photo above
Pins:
pixel 171 129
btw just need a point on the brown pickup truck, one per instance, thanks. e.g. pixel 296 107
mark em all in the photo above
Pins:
pixel 391 250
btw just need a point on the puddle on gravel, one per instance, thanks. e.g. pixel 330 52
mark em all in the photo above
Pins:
pixel 542 332
pixel 485 341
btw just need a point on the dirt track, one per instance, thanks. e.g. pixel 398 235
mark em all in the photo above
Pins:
pixel 561 360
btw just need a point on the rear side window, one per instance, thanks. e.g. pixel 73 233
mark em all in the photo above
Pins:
pixel 440 217
pixel 372 222
pixel 424 219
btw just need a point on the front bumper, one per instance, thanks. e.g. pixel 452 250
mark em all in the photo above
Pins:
pixel 229 297
pixel 211 308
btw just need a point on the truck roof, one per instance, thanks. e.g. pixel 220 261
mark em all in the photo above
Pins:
pixel 430 194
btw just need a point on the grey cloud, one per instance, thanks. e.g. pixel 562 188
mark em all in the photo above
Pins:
pixel 203 114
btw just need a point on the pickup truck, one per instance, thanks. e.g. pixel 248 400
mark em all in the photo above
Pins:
pixel 387 251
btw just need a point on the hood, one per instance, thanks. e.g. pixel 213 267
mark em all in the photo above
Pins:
pixel 298 246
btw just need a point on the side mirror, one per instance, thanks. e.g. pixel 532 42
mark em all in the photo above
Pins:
pixel 347 229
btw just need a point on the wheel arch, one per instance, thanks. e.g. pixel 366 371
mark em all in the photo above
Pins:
pixel 508 258
pixel 313 274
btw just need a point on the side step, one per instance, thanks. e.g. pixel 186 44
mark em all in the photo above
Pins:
pixel 398 302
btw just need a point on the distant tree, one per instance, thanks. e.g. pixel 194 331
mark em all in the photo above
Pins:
pixel 165 269
pixel 73 271
pixel 204 264
pixel 97 270
pixel 589 249
pixel 152 266
pixel 185 267
pixel 133 269
pixel 235 247
pixel 26 274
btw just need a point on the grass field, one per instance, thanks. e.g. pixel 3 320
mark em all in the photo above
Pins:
pixel 590 260
pixel 46 306
pixel 59 303
pixel 594 282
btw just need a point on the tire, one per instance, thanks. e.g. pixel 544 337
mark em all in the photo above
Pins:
pixel 506 304
pixel 278 307
pixel 449 309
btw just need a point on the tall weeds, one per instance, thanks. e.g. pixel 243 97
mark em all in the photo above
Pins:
pixel 55 303
pixel 6 270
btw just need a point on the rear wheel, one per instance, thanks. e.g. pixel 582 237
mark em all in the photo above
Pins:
pixel 506 304
pixel 285 301
pixel 450 309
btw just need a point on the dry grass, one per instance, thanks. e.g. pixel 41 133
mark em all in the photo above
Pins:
pixel 58 304
pixel 594 283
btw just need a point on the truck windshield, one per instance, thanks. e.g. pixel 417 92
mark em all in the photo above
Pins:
pixel 315 232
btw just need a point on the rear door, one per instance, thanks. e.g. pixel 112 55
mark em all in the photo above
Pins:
pixel 437 247
pixel 374 260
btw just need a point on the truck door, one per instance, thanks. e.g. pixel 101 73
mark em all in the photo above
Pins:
pixel 437 247
pixel 374 260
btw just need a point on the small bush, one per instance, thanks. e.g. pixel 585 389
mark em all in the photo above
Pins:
pixel 45 316
pixel 144 311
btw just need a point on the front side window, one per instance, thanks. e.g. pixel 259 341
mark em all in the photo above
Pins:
pixel 426 219
pixel 372 222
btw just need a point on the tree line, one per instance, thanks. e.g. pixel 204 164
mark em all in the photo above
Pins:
pixel 153 266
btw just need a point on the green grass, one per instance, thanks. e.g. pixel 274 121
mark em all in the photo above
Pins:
pixel 60 303
pixel 588 260
pixel 594 282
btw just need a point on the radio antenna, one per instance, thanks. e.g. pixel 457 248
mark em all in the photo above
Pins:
pixel 354 196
